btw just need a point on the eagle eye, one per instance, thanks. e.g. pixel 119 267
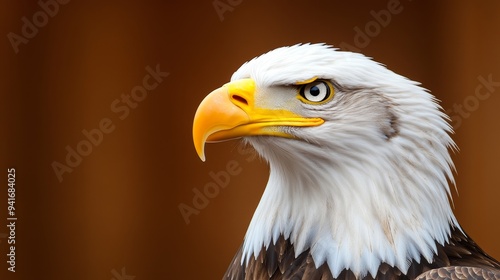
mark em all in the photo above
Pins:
pixel 316 92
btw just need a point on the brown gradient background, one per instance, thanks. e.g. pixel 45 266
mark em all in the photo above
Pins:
pixel 119 207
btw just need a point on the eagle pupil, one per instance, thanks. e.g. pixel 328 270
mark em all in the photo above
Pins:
pixel 314 91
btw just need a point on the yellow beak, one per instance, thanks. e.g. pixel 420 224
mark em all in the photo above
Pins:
pixel 229 112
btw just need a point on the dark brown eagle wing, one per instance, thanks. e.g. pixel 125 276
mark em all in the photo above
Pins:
pixel 460 272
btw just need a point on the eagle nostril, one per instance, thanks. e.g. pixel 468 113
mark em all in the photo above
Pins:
pixel 239 99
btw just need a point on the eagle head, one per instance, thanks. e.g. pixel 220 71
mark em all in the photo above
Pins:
pixel 358 156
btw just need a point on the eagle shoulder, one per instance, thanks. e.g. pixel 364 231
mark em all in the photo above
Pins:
pixel 460 272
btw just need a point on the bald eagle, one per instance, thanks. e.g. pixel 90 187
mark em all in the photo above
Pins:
pixel 359 170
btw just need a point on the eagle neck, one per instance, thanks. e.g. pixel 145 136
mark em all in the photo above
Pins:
pixel 348 216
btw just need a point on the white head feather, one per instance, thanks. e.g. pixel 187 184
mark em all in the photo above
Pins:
pixel 370 185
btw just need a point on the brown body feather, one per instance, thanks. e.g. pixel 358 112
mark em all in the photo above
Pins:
pixel 460 258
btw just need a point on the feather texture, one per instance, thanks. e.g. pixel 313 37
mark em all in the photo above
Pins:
pixel 460 258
